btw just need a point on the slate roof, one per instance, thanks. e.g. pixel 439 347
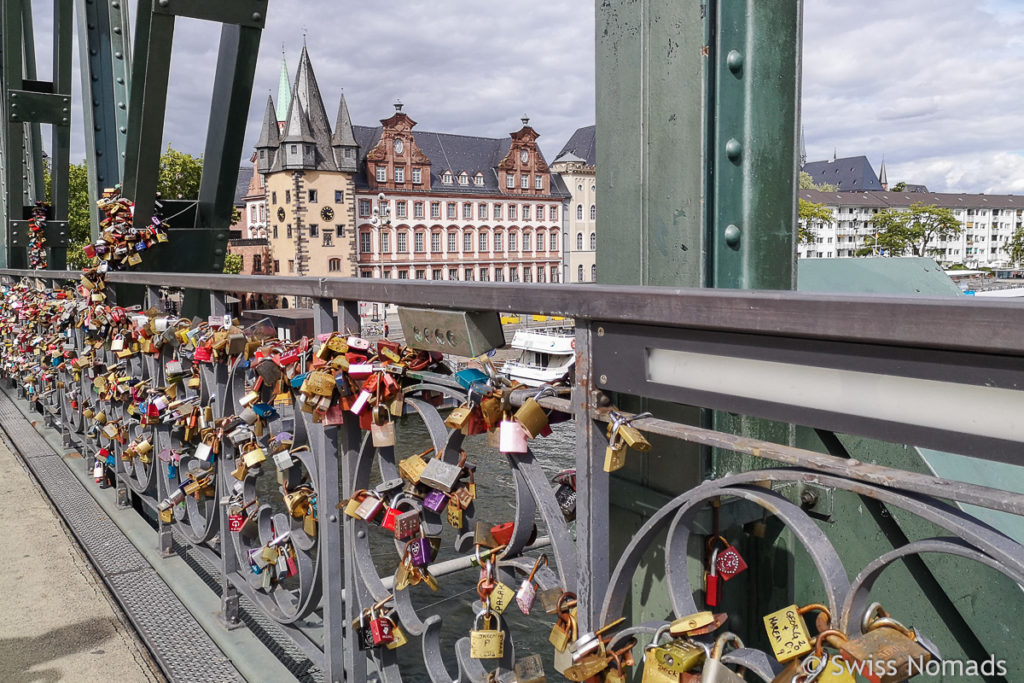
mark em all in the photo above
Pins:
pixel 887 199
pixel 456 153
pixel 242 185
pixel 268 132
pixel 306 95
pixel 583 144
pixel 849 174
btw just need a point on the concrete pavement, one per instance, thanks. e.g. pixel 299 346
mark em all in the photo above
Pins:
pixel 59 621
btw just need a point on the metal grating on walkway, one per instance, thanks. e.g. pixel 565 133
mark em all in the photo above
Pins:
pixel 179 644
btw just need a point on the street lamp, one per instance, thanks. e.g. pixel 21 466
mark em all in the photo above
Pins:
pixel 381 213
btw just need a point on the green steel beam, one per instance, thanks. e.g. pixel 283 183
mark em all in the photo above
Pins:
pixel 34 139
pixel 104 57
pixel 249 14
pixel 15 176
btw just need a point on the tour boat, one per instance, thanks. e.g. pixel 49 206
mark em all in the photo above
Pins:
pixel 547 354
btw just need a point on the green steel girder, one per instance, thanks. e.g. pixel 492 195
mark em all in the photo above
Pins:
pixel 250 14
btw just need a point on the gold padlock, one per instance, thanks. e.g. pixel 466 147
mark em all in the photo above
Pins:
pixel 531 416
pixel 487 643
pixel 458 418
pixel 787 633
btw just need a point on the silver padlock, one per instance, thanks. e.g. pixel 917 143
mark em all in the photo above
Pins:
pixel 442 475
pixel 714 670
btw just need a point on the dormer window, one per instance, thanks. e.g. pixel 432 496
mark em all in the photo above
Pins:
pixel 382 174
pixel 447 178
pixel 463 178
pixel 479 180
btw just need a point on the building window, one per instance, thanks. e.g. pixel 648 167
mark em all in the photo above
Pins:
pixel 467 274
pixel 291 265
pixel 453 273
pixel 497 212
pixel 498 242
pixel 510 181
pixel 524 183
pixel 483 241
pixel 452 210
pixel 421 274
pixel 275 232
pixel 467 212
pixel 527 274
pixel 385 242
pixel 539 212
pixel 252 213
pixel 339 196
pixel 513 212
pixel 593 273
pixel 579 212
pixel 417 209
pixel 463 178
pixel 579 241
pixel 513 242
pixel 314 230
pixel 499 274
pixel 513 274
pixel 312 197
pixel 295 149
pixel 554 273
pixel 435 242
pixel 273 197
pixel 593 211
pixel 364 242
pixel 289 231
pixel 340 229
pixel 364 207
pixel 526 242
pixel 349 152
pixel 554 245
pixel 399 174
pixel 400 210
pixel 579 273
pixel 435 274
pixel 382 174
pixel 257 263
pixel 467 242
pixel 334 265
pixel 417 176
pixel 481 212
pixel 485 274
pixel 403 275
pixel 538 182
pixel 435 209
pixel 593 241
pixel 453 244
pixel 526 212
pixel 479 180
pixel 328 238
pixel 446 178
pixel 277 266
pixel 553 214
pixel 287 196
pixel 403 243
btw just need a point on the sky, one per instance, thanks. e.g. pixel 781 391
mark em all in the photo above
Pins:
pixel 933 86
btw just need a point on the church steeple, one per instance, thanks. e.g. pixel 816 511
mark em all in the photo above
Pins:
pixel 346 149
pixel 306 93
pixel 881 176
pixel 803 149
pixel 284 93
pixel 266 146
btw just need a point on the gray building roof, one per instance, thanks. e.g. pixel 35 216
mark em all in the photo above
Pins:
pixel 884 199
pixel 306 98
pixel 848 174
pixel 455 153
pixel 242 186
pixel 583 144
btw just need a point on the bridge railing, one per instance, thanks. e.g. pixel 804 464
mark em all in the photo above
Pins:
pixel 942 373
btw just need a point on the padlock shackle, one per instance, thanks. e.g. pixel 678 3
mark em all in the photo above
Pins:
pixel 835 638
pixel 536 565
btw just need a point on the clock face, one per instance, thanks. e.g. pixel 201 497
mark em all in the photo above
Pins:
pixel 524 156
pixel 327 213
pixel 399 145
pixel 280 214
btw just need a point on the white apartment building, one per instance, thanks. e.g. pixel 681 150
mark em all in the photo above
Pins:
pixel 577 165
pixel 989 221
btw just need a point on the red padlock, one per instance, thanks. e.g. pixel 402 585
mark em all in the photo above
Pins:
pixel 389 519
pixel 711 581
pixel 729 562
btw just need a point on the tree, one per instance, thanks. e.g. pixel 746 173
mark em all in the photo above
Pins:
pixel 807 183
pixel 179 179
pixel 899 187
pixel 899 232
pixel 808 213
pixel 1015 248
pixel 232 264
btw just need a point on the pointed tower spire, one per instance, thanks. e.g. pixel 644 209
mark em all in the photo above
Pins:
pixel 298 146
pixel 346 149
pixel 835 153
pixel 306 92
pixel 266 146
pixel 803 148
pixel 881 176
pixel 284 92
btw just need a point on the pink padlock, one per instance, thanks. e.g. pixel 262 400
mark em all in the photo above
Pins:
pixel 512 437
pixel 360 402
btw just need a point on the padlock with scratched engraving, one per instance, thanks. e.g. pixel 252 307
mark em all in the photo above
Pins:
pixel 487 642
pixel 666 662
pixel 886 649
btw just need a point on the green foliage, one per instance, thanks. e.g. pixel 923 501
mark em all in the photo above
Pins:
pixel 233 264
pixel 180 174
pixel 902 232
pixel 810 212
pixel 899 187
pixel 807 183
pixel 1015 248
